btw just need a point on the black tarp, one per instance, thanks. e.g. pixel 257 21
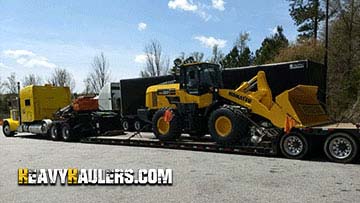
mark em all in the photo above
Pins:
pixel 133 93
pixel 280 76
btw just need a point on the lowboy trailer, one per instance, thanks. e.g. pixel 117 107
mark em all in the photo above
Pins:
pixel 339 141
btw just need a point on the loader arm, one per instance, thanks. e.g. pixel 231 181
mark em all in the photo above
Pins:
pixel 299 103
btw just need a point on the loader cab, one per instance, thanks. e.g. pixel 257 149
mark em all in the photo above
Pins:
pixel 200 78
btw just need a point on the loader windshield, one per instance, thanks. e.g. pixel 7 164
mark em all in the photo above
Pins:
pixel 199 78
pixel 210 76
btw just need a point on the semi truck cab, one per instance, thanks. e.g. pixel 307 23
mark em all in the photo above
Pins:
pixel 35 109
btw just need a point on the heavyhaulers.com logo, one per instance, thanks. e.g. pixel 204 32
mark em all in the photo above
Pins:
pixel 74 176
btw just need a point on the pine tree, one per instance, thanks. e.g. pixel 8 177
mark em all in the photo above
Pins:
pixel 240 54
pixel 231 59
pixel 307 15
pixel 271 47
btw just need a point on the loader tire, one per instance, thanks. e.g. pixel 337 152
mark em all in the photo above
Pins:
pixel 294 146
pixel 166 131
pixel 341 147
pixel 6 130
pixel 227 125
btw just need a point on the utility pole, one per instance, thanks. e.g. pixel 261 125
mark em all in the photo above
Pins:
pixel 326 48
pixel 326 35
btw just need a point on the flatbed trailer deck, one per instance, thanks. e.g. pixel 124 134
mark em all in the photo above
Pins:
pixel 322 134
pixel 184 143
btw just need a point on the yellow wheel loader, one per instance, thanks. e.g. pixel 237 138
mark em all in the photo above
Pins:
pixel 197 104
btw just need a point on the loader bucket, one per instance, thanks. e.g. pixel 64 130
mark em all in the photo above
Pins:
pixel 301 104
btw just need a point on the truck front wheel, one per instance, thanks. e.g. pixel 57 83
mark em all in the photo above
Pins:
pixel 341 147
pixel 6 130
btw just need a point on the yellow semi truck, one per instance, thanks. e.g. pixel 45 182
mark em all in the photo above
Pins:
pixel 35 109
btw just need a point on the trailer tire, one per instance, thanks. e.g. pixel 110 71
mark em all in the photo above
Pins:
pixel 6 130
pixel 54 133
pixel 227 125
pixel 166 131
pixel 137 125
pixel 126 125
pixel 66 132
pixel 294 146
pixel 341 147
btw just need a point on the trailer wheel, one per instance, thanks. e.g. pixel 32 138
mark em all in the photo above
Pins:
pixel 6 130
pixel 126 125
pixel 294 146
pixel 341 147
pixel 54 133
pixel 163 130
pixel 66 132
pixel 226 125
pixel 137 125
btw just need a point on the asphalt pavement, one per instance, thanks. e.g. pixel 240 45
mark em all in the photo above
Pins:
pixel 197 176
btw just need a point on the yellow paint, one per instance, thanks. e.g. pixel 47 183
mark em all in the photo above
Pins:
pixel 13 121
pixel 161 101
pixel 41 102
pixel 163 126
pixel 23 174
pixel 72 175
pixel 289 103
pixel 223 126
pixel 299 103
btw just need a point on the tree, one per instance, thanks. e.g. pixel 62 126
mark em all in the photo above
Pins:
pixel 62 78
pixel 156 63
pixel 32 79
pixel 300 51
pixel 2 84
pixel 11 84
pixel 240 55
pixel 231 60
pixel 99 76
pixel 270 47
pixel 197 56
pixel 217 55
pixel 242 40
pixel 307 15
pixel 344 61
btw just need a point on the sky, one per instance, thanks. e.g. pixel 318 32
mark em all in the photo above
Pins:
pixel 38 36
